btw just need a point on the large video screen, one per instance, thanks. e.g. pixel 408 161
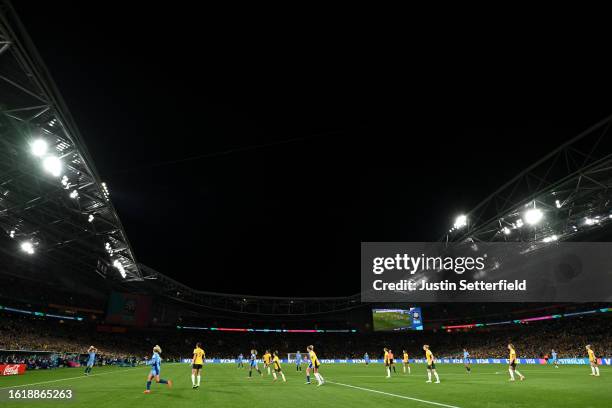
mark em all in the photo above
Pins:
pixel 397 319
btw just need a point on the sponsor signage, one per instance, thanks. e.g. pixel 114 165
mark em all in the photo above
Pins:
pixel 602 361
pixel 12 369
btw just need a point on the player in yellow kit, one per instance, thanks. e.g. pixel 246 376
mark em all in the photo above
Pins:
pixel 315 365
pixel 267 359
pixel 512 369
pixel 387 362
pixel 392 360
pixel 405 361
pixel 277 367
pixel 196 365
pixel 592 361
pixel 431 364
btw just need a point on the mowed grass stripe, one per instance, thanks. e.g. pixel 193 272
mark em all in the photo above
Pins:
pixel 226 386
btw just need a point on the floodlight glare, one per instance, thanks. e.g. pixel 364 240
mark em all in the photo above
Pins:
pixel 460 221
pixel 558 203
pixel 506 230
pixel 74 194
pixel 90 218
pixel 53 165
pixel 551 238
pixel 533 216
pixel 27 247
pixel 120 267
pixel 39 147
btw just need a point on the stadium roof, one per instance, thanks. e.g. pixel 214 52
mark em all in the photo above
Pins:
pixel 163 285
pixel 53 205
pixel 560 197
pixel 563 196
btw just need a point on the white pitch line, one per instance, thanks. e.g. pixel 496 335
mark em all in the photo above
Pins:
pixel 69 378
pixel 395 395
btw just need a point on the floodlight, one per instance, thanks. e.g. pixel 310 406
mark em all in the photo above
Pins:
pixel 506 230
pixel 558 203
pixel 460 221
pixel 53 165
pixel 90 218
pixel 105 190
pixel 533 216
pixel 39 147
pixel 519 223
pixel 12 234
pixel 120 267
pixel 550 239
pixel 28 247
pixel 74 194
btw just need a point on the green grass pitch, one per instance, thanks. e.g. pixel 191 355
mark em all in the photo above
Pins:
pixel 349 385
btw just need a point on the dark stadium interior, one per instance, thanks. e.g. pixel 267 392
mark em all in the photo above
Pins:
pixel 222 194
pixel 254 155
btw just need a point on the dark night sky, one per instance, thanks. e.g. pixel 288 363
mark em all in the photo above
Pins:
pixel 300 145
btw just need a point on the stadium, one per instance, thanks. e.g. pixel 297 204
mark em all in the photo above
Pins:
pixel 219 271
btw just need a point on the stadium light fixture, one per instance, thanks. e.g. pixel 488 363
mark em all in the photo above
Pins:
pixel 53 165
pixel 506 230
pixel 558 203
pixel 460 221
pixel 74 194
pixel 519 223
pixel 105 190
pixel 39 147
pixel 90 218
pixel 550 239
pixel 12 234
pixel 120 268
pixel 533 216
pixel 27 247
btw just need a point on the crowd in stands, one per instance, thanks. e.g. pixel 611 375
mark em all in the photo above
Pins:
pixel 44 360
pixel 70 340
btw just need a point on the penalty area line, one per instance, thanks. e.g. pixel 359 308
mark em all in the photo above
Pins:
pixel 439 404
pixel 70 378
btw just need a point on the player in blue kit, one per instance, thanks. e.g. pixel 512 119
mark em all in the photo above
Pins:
pixel 91 359
pixel 240 362
pixel 309 367
pixel 253 363
pixel 155 364
pixel 298 361
pixel 466 361
pixel 366 358
pixel 554 359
